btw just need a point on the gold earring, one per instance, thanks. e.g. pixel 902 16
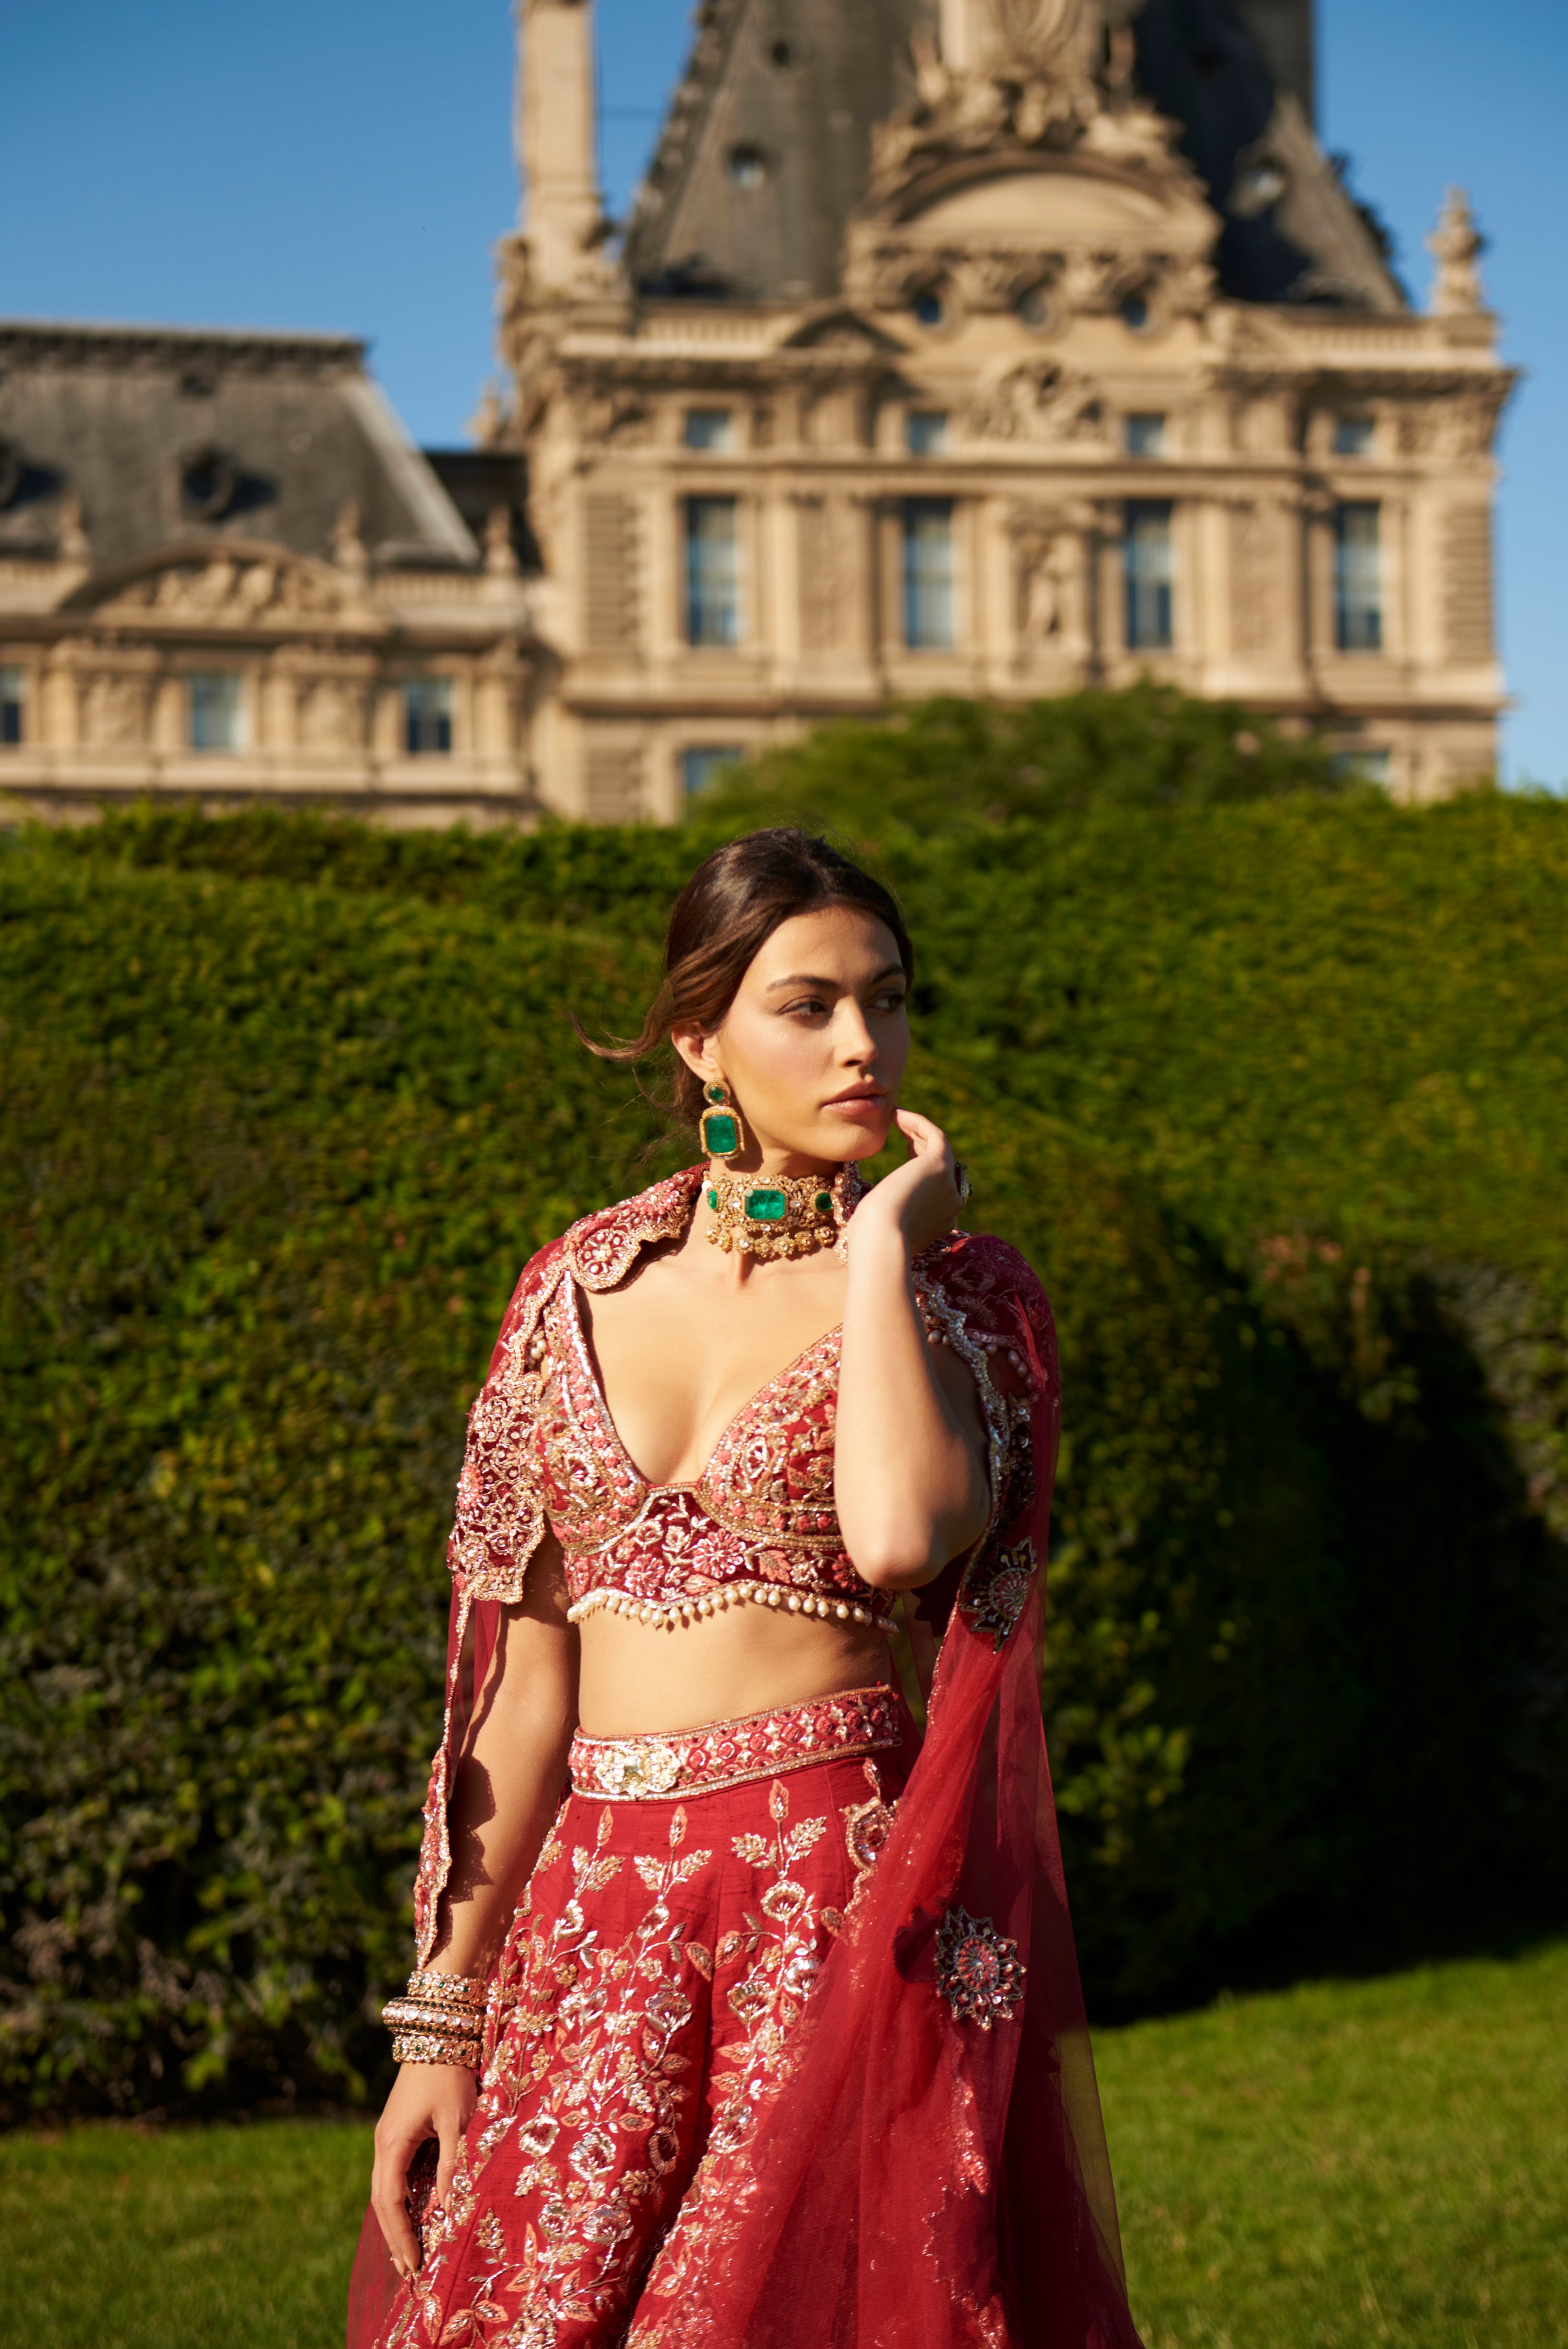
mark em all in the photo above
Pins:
pixel 719 1126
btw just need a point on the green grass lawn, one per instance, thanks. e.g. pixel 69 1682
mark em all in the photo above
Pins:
pixel 1335 2168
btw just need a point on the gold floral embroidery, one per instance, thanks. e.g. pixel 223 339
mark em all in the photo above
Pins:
pixel 596 2026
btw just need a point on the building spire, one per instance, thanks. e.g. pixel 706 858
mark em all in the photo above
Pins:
pixel 557 135
pixel 1456 244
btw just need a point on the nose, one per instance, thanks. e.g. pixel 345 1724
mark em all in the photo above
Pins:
pixel 853 1041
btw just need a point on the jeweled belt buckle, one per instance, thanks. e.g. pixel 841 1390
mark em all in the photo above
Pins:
pixel 637 1769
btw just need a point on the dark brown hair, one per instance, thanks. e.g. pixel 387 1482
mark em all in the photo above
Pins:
pixel 735 901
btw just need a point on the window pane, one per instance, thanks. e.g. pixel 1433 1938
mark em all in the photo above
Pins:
pixel 1145 435
pixel 10 707
pixel 1150 570
pixel 713 581
pixel 427 716
pixel 1353 436
pixel 698 767
pixel 1357 581
pixel 709 428
pixel 215 709
pixel 927 432
pixel 928 598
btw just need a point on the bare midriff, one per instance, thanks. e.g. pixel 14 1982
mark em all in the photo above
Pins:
pixel 637 1681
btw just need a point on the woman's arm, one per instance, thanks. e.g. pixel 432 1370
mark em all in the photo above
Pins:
pixel 909 1478
pixel 506 1784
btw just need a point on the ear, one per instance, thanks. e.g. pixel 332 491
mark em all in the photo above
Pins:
pixel 695 1048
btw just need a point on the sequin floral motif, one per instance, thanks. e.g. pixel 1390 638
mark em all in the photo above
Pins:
pixel 978 1971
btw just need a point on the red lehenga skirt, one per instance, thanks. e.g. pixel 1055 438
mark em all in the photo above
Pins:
pixel 642 2020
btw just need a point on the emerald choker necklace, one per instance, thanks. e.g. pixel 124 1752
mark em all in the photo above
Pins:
pixel 776 1214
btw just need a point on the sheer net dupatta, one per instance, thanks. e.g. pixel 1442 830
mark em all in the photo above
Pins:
pixel 933 2172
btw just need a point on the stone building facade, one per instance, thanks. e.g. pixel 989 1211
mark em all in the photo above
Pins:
pixel 227 574
pixel 992 347
pixel 982 346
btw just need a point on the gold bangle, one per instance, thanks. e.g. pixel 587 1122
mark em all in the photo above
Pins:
pixel 415 2014
pixel 428 2047
pixel 447 1989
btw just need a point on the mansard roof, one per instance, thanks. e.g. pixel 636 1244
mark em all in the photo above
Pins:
pixel 145 437
pixel 789 92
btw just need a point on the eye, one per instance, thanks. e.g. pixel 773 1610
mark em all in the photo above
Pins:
pixel 807 1006
pixel 891 999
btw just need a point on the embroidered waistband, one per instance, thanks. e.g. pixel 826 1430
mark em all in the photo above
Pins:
pixel 732 1753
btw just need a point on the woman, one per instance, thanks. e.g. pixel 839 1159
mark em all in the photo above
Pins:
pixel 741 2016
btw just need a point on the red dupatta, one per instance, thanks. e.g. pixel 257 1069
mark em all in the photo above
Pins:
pixel 933 2172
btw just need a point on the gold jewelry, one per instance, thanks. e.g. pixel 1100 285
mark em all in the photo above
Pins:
pixel 440 2018
pixel 776 1214
pixel 723 1135
pixel 428 2047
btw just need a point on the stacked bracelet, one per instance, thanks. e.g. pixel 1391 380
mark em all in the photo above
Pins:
pixel 439 2020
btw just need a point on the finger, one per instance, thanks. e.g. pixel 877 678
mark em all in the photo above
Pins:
pixel 451 2137
pixel 924 1138
pixel 388 2193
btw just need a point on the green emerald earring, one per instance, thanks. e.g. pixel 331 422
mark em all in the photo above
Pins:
pixel 719 1126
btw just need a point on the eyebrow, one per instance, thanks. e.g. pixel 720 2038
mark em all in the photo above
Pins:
pixel 810 978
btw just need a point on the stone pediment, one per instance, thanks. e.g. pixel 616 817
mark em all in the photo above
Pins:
pixel 227 585
pixel 842 331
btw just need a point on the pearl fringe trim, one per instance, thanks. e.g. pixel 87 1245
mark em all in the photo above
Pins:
pixel 667 1616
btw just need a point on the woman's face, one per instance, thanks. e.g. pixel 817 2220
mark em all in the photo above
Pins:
pixel 814 1045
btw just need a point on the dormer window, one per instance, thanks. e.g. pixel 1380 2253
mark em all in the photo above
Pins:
pixel 925 432
pixel 1144 435
pixel 209 486
pixel 930 309
pixel 747 166
pixel 711 430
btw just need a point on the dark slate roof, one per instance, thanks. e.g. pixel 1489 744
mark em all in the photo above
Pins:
pixel 477 481
pixel 797 85
pixel 166 435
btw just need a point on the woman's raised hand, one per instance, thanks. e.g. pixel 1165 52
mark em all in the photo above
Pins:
pixel 918 1202
pixel 426 2100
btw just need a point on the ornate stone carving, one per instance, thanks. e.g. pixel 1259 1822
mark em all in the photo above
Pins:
pixel 114 712
pixel 1033 85
pixel 331 715
pixel 1254 572
pixel 1456 244
pixel 1039 399
pixel 232 591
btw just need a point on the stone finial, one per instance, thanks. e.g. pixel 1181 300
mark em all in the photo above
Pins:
pixel 501 556
pixel 71 541
pixel 347 547
pixel 487 425
pixel 1456 244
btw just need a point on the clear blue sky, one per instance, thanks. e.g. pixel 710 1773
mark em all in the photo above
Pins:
pixel 346 166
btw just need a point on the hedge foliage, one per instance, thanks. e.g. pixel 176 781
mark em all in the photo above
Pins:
pixel 1270 1088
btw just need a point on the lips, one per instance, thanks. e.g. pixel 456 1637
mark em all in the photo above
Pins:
pixel 858 1097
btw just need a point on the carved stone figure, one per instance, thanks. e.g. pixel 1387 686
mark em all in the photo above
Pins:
pixel 1038 399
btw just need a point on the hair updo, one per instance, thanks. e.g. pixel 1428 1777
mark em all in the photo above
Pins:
pixel 733 902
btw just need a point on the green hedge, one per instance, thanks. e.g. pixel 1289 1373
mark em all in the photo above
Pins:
pixel 1271 1094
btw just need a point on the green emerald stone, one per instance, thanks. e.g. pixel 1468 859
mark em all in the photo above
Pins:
pixel 719 1135
pixel 713 1200
pixel 716 1093
pixel 763 1206
pixel 824 1203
